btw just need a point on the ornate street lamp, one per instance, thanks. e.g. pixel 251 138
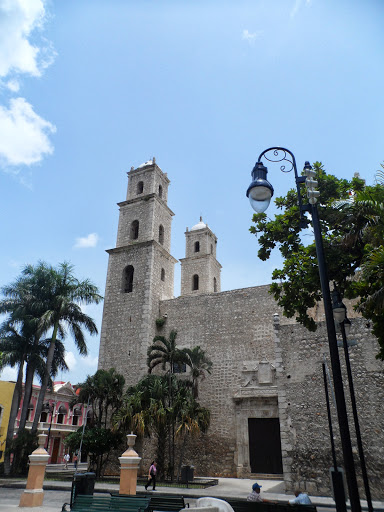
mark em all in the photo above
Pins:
pixel 344 326
pixel 259 202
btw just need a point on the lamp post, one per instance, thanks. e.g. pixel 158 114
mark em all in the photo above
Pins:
pixel 345 324
pixel 260 193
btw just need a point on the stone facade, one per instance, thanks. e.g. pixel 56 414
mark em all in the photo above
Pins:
pixel 265 392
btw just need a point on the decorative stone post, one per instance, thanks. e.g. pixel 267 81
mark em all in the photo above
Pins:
pixel 33 494
pixel 129 463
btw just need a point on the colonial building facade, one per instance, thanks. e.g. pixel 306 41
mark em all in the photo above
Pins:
pixel 266 392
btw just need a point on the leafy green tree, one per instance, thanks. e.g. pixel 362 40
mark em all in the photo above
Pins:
pixel 103 391
pixel 97 442
pixel 351 222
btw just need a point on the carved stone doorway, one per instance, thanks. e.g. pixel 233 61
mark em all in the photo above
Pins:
pixel 265 445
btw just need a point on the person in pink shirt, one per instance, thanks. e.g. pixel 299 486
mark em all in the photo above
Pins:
pixel 152 476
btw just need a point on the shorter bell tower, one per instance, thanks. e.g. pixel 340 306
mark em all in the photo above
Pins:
pixel 200 270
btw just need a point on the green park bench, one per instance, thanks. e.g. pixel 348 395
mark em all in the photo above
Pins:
pixel 160 503
pixel 85 503
pixel 254 506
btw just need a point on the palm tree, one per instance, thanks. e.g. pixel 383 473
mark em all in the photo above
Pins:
pixel 14 346
pixel 199 365
pixel 104 392
pixel 164 352
pixel 61 298
pixel 51 297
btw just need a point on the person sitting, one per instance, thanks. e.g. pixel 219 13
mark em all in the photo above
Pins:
pixel 301 498
pixel 255 494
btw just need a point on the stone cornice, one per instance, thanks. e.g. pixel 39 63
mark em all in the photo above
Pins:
pixel 146 197
pixel 140 245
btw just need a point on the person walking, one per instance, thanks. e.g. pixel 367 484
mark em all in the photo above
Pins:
pixel 152 476
pixel 66 460
pixel 75 459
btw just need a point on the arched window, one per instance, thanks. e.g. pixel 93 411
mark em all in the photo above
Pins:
pixel 135 230
pixel 61 414
pixel 162 274
pixel 128 279
pixel 140 187
pixel 76 416
pixel 197 246
pixel 160 191
pixel 195 282
pixel 161 234
pixel 214 284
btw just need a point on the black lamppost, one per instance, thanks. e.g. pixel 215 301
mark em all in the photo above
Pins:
pixel 259 193
pixel 340 314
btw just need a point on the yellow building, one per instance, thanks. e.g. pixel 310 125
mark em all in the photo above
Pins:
pixel 6 394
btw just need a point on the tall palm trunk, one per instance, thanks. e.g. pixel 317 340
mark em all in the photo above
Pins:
pixel 27 395
pixel 12 417
pixel 44 384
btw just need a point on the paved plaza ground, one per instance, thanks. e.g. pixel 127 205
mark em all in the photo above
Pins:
pixel 57 493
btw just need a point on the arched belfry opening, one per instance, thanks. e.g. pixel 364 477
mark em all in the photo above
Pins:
pixel 195 282
pixel 134 230
pixel 161 234
pixel 140 187
pixel 197 246
pixel 128 279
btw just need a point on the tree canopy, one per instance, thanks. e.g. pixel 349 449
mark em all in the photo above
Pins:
pixel 352 222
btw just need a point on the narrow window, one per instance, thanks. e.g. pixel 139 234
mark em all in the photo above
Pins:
pixel 30 410
pixel 135 230
pixel 195 282
pixel 128 279
pixel 161 234
pixel 211 249
pixel 140 187
pixel 162 274
pixel 76 416
pixel 214 284
pixel 160 191
pixel 197 246
pixel 43 417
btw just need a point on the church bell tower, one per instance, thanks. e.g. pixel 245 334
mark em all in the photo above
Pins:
pixel 140 273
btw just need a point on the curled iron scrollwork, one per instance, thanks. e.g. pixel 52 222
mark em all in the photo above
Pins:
pixel 280 155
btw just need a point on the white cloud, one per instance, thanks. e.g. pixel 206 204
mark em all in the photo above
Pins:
pixel 13 85
pixel 297 6
pixel 70 359
pixel 9 373
pixel 90 361
pixel 18 19
pixel 251 37
pixel 87 241
pixel 24 134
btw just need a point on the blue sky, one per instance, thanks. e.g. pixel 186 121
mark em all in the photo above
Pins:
pixel 90 88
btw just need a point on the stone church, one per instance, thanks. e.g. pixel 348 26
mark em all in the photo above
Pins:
pixel 266 390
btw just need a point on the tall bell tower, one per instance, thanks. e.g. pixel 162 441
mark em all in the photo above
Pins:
pixel 200 270
pixel 140 273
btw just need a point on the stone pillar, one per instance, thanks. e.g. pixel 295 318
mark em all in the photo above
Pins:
pixel 33 494
pixel 129 463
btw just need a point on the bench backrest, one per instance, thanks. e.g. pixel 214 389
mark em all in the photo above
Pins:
pixel 110 503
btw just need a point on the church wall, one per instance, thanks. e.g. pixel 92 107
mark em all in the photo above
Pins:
pixel 305 432
pixel 232 328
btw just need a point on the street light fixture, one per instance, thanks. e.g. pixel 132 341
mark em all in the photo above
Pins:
pixel 284 157
pixel 344 326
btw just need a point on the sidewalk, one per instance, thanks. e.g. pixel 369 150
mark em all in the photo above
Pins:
pixel 57 493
